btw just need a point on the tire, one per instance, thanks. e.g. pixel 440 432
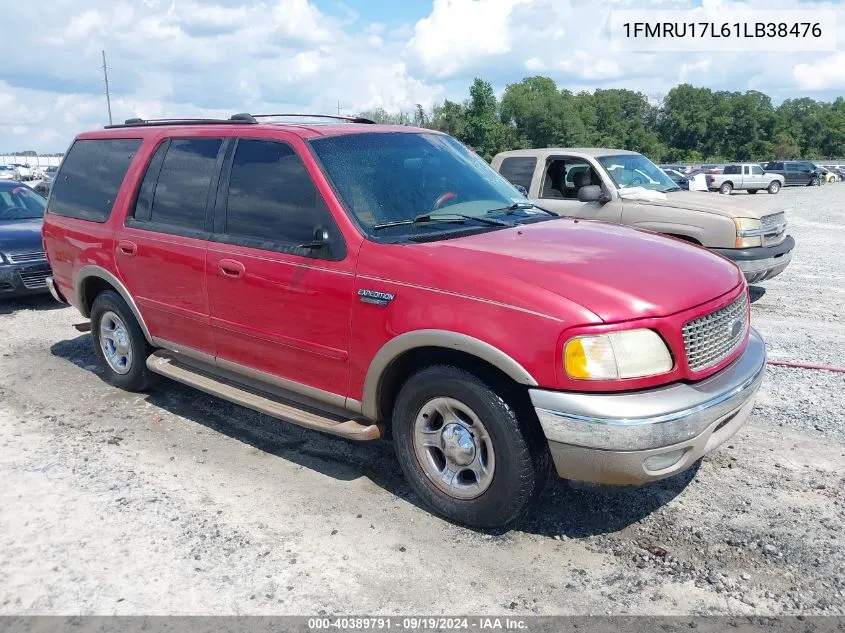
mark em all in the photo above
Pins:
pixel 815 182
pixel 510 461
pixel 774 186
pixel 752 191
pixel 726 188
pixel 114 328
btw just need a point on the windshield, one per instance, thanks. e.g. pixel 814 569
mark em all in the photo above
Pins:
pixel 20 203
pixel 394 177
pixel 635 170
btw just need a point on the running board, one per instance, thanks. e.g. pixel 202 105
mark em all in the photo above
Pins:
pixel 162 363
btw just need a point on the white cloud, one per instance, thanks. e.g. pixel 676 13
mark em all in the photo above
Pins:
pixel 459 32
pixel 827 73
pixel 216 57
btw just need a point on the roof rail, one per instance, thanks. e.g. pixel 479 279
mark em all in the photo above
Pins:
pixel 136 122
pixel 352 119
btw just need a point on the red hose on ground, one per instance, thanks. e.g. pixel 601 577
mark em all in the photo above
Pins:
pixel 787 363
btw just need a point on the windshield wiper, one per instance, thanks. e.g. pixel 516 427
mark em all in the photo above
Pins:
pixel 454 218
pixel 516 206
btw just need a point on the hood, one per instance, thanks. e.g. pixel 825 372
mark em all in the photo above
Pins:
pixel 728 206
pixel 616 272
pixel 20 235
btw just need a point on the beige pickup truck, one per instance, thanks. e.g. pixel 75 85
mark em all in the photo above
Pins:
pixel 616 185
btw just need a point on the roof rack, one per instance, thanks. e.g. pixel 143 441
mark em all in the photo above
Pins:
pixel 246 117
pixel 135 122
pixel 240 118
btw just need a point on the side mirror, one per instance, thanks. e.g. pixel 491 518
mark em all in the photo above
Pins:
pixel 321 239
pixel 521 190
pixel 592 193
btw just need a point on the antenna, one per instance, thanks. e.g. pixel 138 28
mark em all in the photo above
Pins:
pixel 106 79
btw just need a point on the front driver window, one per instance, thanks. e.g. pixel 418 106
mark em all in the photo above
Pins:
pixel 565 176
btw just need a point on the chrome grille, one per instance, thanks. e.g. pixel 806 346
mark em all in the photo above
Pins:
pixel 714 337
pixel 774 228
pixel 33 281
pixel 23 258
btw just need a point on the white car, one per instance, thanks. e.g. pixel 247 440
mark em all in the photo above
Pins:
pixel 8 172
pixel 24 171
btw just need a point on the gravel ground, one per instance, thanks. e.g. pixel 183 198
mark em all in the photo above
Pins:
pixel 177 503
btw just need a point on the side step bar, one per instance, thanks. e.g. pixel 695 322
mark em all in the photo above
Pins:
pixel 162 363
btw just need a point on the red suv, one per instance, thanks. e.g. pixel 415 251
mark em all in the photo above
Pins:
pixel 365 280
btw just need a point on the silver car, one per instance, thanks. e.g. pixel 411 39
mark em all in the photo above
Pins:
pixel 8 172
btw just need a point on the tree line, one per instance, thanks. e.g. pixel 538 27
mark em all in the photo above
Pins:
pixel 690 125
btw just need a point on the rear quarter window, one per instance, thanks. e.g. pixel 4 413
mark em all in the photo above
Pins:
pixel 519 170
pixel 90 178
pixel 731 169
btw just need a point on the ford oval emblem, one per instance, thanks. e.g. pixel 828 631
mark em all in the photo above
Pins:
pixel 736 328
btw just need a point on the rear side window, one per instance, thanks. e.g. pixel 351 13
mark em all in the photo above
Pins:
pixel 181 192
pixel 90 178
pixel 519 170
pixel 792 167
pixel 731 169
pixel 271 195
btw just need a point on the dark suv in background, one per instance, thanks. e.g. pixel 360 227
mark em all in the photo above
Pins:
pixel 795 172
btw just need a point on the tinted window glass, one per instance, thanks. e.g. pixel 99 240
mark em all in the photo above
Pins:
pixel 731 169
pixel 792 167
pixel 519 170
pixel 757 171
pixel 271 195
pixel 90 177
pixel 144 201
pixel 181 192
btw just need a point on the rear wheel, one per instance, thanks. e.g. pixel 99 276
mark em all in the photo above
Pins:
pixel 726 188
pixel 119 343
pixel 774 186
pixel 464 450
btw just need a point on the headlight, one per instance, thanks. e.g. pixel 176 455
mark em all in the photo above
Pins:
pixel 749 232
pixel 629 354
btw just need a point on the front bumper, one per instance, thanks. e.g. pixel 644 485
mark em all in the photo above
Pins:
pixel 20 280
pixel 636 437
pixel 759 264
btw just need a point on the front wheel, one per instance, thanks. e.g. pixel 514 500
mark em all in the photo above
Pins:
pixel 726 188
pixel 815 182
pixel 119 343
pixel 463 449
pixel 774 186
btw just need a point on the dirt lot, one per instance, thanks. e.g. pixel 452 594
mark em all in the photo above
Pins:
pixel 175 502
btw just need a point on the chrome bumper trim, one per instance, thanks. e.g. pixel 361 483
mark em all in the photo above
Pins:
pixel 652 418
pixel 51 286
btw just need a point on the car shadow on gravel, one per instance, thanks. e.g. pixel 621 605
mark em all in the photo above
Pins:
pixel 573 510
pixel 756 293
pixel 34 302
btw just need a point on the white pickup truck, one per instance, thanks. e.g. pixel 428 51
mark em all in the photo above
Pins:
pixel 748 176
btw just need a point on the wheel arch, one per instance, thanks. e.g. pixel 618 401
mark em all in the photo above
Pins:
pixel 92 280
pixel 399 357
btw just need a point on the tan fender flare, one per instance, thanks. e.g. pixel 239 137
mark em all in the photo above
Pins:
pixel 394 348
pixel 86 272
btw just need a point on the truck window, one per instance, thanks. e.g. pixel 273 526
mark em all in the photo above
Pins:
pixel 564 176
pixel 792 167
pixel 519 170
pixel 181 192
pixel 731 169
pixel 90 178
pixel 756 171
pixel 271 195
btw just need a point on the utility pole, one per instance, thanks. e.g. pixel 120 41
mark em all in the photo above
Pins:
pixel 106 78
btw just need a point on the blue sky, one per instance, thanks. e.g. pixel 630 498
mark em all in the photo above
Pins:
pixel 215 57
